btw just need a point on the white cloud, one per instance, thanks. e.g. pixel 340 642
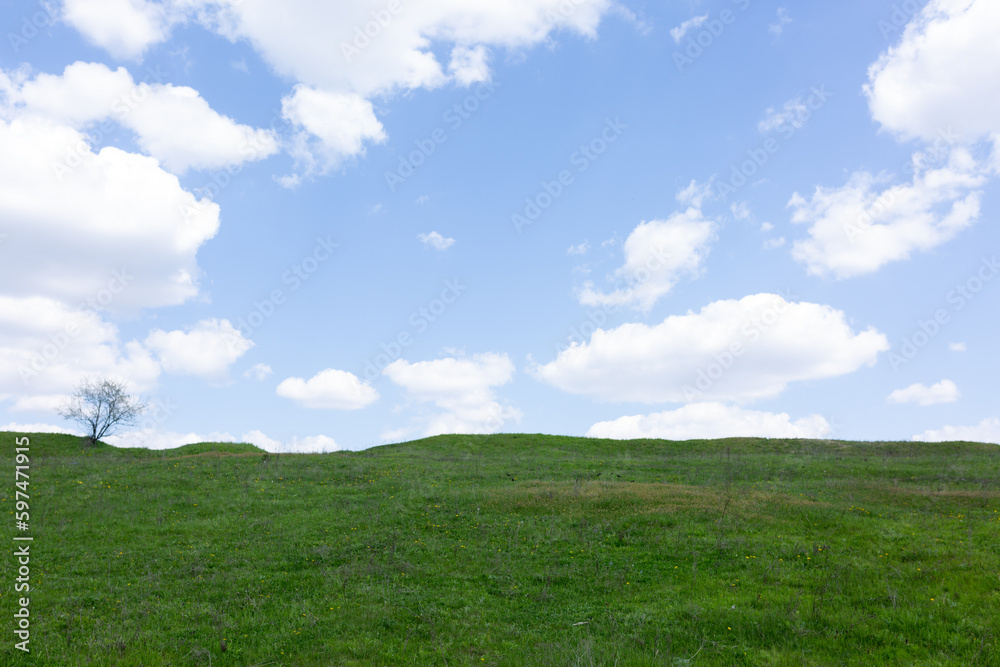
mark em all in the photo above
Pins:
pixel 15 427
pixel 155 439
pixel 729 351
pixel 330 389
pixel 580 249
pixel 207 349
pixel 92 233
pixel 344 54
pixel 711 420
pixel 943 75
pixel 944 391
pixel 125 28
pixel 75 217
pixel 158 440
pixel 436 241
pixel 47 347
pixel 740 210
pixel 397 434
pixel 311 443
pixel 941 84
pixel 658 254
pixel 314 444
pixel 174 124
pixel 258 372
pixel 696 193
pixel 334 127
pixel 39 403
pixel 462 387
pixel 987 430
pixel 783 19
pixel 859 227
pixel 766 227
pixel 793 114
pixel 178 127
pixel 318 43
pixel 681 30
pixel 259 439
pixel 771 244
pixel 84 93
pixel 957 347
pixel 469 65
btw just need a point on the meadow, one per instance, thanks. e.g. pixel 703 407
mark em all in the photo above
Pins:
pixel 511 549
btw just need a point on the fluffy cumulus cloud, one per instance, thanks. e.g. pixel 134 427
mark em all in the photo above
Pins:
pixel 343 54
pixel 174 124
pixel 943 75
pixel 987 430
pixel 332 126
pixel 859 227
pixel 47 347
pixel 658 254
pixel 330 389
pixel 469 65
pixel 163 439
pixel 96 232
pixel 732 350
pixel 944 391
pixel 207 349
pixel 84 93
pixel 462 387
pixel 80 222
pixel 436 240
pixel 178 127
pixel 153 438
pixel 940 84
pixel 711 420
pixel 374 46
pixel 126 28
pixel 312 444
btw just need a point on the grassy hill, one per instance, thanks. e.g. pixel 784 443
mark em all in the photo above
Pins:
pixel 512 550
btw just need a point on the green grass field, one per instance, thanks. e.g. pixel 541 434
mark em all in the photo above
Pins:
pixel 511 550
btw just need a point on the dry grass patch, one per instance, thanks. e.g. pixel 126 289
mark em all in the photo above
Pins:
pixel 595 497
pixel 917 498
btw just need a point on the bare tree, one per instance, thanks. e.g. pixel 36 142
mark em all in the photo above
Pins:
pixel 100 406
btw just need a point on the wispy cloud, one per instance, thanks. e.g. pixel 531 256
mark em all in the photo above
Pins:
pixel 783 19
pixel 793 113
pixel 681 30
pixel 258 372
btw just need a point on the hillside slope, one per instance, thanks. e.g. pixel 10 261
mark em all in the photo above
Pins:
pixel 513 549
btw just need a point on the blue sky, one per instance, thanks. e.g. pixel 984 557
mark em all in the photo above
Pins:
pixel 319 225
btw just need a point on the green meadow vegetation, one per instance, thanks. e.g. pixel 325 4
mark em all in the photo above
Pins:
pixel 511 550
